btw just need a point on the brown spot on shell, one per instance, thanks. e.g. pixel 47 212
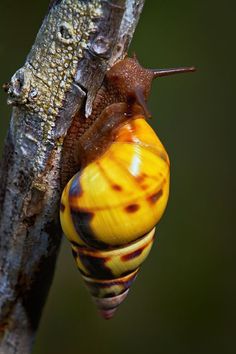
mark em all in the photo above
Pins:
pixel 96 266
pixel 62 207
pixel 131 255
pixel 82 220
pixel 75 244
pixel 75 188
pixel 74 253
pixel 144 186
pixel 132 208
pixel 136 253
pixel 140 178
pixel 163 155
pixel 117 187
pixel 154 197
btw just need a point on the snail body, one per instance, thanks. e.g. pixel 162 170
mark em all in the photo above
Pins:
pixel 110 207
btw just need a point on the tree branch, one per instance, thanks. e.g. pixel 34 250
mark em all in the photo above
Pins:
pixel 78 41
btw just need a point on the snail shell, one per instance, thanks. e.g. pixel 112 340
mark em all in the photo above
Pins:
pixel 109 210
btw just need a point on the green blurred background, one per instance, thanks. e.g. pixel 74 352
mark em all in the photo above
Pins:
pixel 183 301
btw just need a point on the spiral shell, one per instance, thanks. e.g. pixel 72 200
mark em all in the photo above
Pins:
pixel 109 210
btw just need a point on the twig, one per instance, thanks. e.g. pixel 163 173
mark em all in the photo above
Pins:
pixel 78 41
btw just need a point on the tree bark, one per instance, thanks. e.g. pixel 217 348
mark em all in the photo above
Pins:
pixel 78 41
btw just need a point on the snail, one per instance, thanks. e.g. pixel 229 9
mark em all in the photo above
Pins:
pixel 110 207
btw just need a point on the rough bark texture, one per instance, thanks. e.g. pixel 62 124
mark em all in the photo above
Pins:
pixel 78 41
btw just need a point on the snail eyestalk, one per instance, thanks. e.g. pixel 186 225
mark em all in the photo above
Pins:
pixel 172 71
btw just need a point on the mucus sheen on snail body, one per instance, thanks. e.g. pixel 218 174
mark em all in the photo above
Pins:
pixel 110 207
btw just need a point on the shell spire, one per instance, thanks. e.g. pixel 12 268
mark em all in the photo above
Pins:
pixel 108 306
pixel 111 273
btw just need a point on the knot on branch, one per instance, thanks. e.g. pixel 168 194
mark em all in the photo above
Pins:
pixel 19 89
pixel 66 33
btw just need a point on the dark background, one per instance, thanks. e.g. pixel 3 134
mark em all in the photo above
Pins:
pixel 183 301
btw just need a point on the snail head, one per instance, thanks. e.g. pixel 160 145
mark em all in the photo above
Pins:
pixel 133 82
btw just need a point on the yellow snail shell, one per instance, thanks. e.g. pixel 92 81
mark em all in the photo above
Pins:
pixel 109 210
